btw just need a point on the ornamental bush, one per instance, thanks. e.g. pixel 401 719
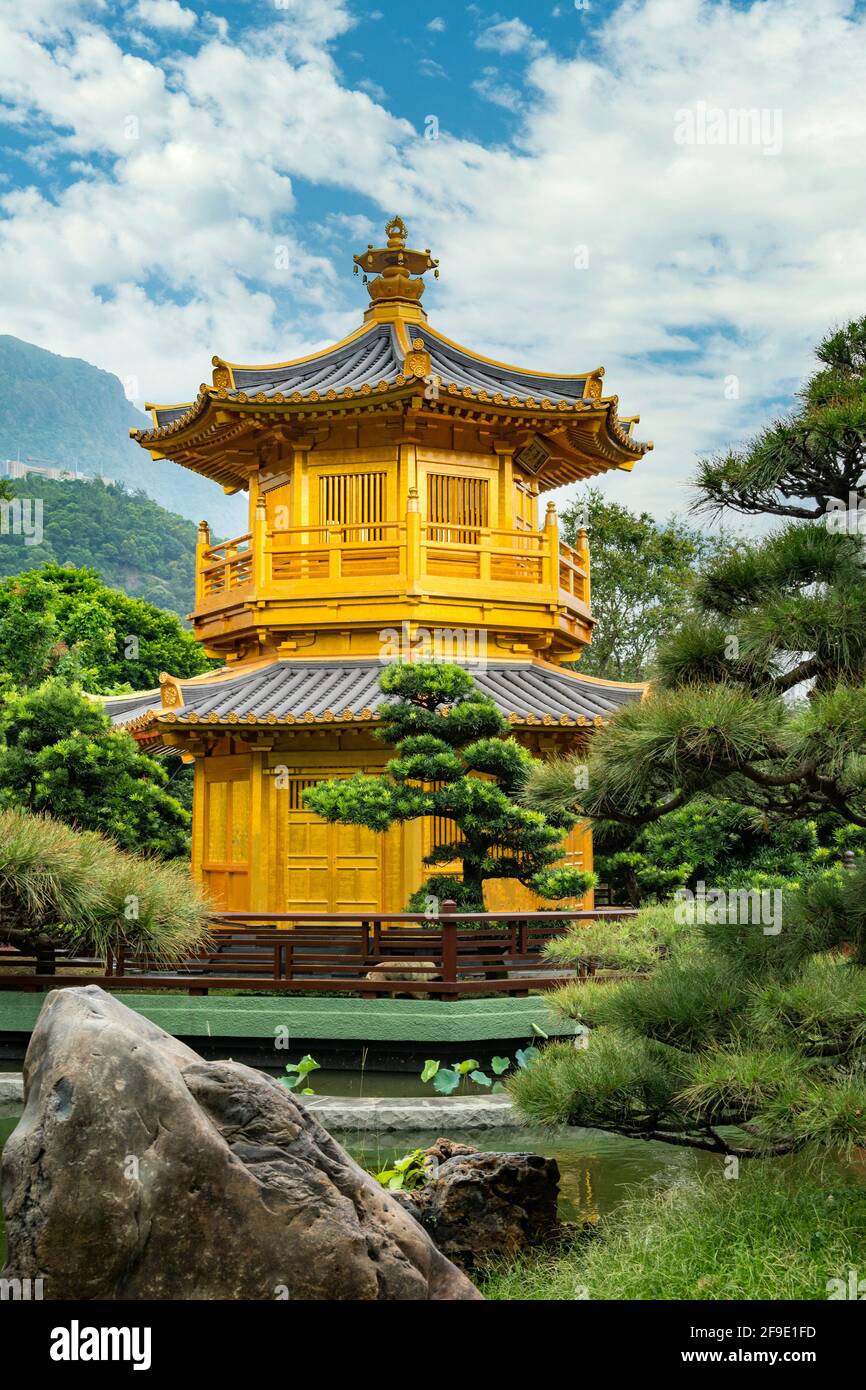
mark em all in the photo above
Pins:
pixel 455 761
pixel 65 887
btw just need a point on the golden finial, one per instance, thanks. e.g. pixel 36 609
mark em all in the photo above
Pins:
pixel 394 265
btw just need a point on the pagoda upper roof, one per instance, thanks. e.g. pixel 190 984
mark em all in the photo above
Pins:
pixel 375 355
pixel 396 361
pixel 289 691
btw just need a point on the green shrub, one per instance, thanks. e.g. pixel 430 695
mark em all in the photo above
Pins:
pixel 632 943
pixel 618 1082
pixel 61 886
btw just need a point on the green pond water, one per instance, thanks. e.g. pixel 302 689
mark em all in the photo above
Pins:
pixel 598 1170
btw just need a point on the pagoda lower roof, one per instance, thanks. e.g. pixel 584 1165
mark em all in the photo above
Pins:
pixel 288 691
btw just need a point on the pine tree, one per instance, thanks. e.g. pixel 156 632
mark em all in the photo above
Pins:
pixel 455 762
pixel 739 1039
pixel 760 695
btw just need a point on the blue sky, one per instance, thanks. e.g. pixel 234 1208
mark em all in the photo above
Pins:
pixel 673 188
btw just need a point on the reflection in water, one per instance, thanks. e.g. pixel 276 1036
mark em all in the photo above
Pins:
pixel 597 1170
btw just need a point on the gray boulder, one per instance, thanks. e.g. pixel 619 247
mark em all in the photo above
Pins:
pixel 482 1207
pixel 140 1171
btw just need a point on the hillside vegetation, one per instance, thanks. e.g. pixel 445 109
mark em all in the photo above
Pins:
pixel 131 542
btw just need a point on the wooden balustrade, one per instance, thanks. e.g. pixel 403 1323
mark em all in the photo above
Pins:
pixel 334 552
pixel 473 561
pixel 226 566
pixel 452 956
pixel 574 573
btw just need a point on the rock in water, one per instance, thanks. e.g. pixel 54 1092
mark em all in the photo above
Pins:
pixel 481 1207
pixel 140 1171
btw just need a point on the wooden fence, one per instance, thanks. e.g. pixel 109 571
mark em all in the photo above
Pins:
pixel 450 956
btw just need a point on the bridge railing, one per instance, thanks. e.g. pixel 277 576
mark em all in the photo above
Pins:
pixel 451 956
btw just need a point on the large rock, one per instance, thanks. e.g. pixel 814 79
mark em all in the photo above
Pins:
pixel 481 1207
pixel 139 1171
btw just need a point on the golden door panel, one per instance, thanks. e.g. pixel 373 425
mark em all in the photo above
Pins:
pixel 306 862
pixel 320 867
pixel 225 864
pixel 358 860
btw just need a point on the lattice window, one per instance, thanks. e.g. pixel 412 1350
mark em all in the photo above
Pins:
pixel 462 502
pixel 296 788
pixel 353 500
pixel 444 831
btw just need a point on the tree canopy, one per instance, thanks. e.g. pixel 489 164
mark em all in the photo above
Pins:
pixel 59 755
pixel 641 574
pixel 760 694
pixel 454 762
pixel 66 622
pixel 746 1033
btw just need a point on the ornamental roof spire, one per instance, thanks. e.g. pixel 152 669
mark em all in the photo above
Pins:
pixel 393 267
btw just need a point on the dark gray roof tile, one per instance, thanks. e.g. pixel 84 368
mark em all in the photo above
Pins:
pixel 376 356
pixel 295 688
pixel 453 364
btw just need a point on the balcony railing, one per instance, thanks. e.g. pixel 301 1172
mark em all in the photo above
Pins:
pixel 419 556
pixel 225 567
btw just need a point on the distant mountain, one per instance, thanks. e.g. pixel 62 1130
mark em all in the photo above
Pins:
pixel 132 542
pixel 61 411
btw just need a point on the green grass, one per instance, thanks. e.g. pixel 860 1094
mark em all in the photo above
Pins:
pixel 778 1232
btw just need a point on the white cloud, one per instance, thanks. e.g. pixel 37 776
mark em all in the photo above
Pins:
pixel 705 262
pixel 337 225
pixel 310 25
pixel 492 88
pixel 509 36
pixel 165 14
pixel 428 67
pixel 437 25
pixel 373 89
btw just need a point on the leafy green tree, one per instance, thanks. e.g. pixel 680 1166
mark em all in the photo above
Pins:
pixel 59 755
pixel 709 840
pixel 65 622
pixel 65 887
pixel 641 574
pixel 454 761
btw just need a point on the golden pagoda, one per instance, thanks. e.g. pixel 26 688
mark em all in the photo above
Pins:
pixel 394 483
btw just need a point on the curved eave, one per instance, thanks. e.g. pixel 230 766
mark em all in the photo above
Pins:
pixel 170 721
pixel 383 364
pixel 196 428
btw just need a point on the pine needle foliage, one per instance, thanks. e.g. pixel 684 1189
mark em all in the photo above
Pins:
pixel 455 761
pixel 65 887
